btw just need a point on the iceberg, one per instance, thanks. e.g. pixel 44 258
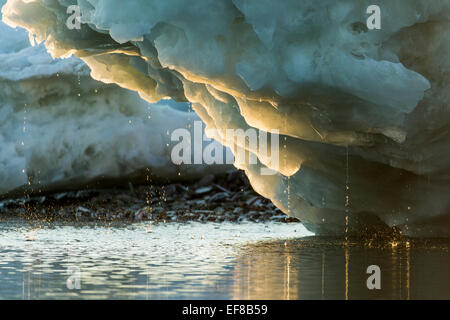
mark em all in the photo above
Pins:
pixel 363 115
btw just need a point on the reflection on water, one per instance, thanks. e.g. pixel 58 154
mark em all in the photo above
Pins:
pixel 324 268
pixel 127 261
pixel 211 261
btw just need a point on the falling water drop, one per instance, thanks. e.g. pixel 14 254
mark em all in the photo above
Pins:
pixel 24 171
pixel 347 194
pixel 285 165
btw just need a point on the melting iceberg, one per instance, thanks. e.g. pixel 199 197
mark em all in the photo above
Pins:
pixel 363 114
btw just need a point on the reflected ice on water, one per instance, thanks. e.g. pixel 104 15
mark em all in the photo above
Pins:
pixel 212 261
pixel 330 268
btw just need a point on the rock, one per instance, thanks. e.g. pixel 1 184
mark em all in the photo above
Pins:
pixel 250 201
pixel 258 203
pixel 197 203
pixel 60 196
pixel 236 196
pixel 242 219
pixel 83 209
pixel 278 217
pixel 203 190
pixel 222 188
pixel 253 214
pixel 218 197
pixel 182 188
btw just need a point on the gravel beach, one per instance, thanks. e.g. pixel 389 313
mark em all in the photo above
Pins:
pixel 228 197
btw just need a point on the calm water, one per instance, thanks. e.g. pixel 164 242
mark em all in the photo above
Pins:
pixel 210 261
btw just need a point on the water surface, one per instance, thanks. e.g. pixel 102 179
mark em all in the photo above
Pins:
pixel 210 261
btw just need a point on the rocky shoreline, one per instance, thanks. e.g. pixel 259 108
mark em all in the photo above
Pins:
pixel 228 197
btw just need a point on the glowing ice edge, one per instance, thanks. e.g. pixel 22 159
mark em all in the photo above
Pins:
pixel 363 113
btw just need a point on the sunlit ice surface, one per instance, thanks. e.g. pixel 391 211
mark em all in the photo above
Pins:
pixel 211 261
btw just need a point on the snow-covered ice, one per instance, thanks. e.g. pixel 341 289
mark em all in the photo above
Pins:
pixel 59 128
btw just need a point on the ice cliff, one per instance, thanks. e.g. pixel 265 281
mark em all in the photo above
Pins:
pixel 363 114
